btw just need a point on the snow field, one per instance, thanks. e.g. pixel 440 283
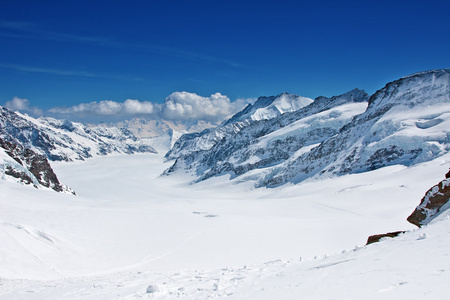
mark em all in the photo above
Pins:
pixel 131 234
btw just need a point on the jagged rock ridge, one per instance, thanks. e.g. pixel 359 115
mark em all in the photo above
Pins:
pixel 26 166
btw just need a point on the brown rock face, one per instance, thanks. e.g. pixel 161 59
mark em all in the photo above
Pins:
pixel 431 204
pixel 377 237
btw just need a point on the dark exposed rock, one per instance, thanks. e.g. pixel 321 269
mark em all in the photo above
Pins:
pixel 19 175
pixel 37 166
pixel 377 237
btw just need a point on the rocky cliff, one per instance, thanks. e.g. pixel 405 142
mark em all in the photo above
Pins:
pixel 435 201
pixel 28 167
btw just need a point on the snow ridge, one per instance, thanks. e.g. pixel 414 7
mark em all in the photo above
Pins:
pixel 63 140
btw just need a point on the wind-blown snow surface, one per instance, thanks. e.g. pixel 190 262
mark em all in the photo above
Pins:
pixel 131 234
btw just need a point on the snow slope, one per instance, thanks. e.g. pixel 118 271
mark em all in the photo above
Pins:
pixel 131 234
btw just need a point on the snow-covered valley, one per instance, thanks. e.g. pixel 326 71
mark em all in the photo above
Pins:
pixel 277 202
pixel 131 233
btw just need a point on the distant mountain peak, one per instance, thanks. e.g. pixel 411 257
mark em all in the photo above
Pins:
pixel 270 107
pixel 65 140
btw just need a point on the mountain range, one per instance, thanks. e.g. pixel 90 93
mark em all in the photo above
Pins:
pixel 63 140
pixel 406 122
pixel 277 140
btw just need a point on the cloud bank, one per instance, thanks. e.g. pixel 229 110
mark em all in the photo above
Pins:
pixel 107 108
pixel 179 106
pixel 23 105
pixel 190 106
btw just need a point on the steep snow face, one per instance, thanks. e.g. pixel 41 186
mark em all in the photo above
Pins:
pixel 271 142
pixel 406 122
pixel 65 140
pixel 265 108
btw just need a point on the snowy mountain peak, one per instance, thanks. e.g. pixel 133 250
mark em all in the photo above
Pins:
pixel 411 90
pixel 270 107
pixel 265 108
pixel 424 73
pixel 355 95
pixel 407 122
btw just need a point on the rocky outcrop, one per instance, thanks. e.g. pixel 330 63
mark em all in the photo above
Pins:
pixel 435 201
pixel 29 167
pixel 377 237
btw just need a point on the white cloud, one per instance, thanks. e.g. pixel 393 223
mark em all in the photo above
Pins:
pixel 190 106
pixel 137 107
pixel 179 106
pixel 22 105
pixel 107 108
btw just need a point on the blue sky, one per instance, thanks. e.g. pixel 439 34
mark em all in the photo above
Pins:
pixel 66 53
